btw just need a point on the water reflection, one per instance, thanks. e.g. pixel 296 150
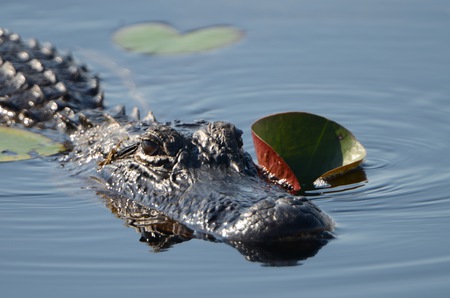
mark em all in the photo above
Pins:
pixel 161 233
pixel 282 253
pixel 353 179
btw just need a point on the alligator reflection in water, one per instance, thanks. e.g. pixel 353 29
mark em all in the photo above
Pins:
pixel 161 233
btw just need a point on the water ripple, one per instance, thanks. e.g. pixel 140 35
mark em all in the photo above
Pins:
pixel 404 130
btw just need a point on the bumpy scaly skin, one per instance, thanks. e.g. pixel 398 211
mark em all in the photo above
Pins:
pixel 38 86
pixel 194 174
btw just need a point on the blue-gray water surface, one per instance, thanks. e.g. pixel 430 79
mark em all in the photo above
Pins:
pixel 380 68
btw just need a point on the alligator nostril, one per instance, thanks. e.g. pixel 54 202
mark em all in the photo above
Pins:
pixel 298 201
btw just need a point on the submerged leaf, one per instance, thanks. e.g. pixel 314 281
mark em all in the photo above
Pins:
pixel 301 147
pixel 162 39
pixel 17 144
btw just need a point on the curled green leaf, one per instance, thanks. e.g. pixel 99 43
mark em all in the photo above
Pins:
pixel 300 147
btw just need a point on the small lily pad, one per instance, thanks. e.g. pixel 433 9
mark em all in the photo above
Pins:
pixel 162 39
pixel 17 144
pixel 299 148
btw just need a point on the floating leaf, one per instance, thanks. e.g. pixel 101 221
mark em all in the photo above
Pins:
pixel 163 39
pixel 301 147
pixel 17 144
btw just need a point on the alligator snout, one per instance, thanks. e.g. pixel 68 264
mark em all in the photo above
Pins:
pixel 281 219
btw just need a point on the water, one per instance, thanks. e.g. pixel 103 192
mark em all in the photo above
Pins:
pixel 380 68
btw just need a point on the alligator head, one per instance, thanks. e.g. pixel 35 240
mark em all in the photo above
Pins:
pixel 200 176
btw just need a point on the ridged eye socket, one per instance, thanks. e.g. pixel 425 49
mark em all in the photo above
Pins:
pixel 150 147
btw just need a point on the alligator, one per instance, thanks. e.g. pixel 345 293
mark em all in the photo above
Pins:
pixel 186 180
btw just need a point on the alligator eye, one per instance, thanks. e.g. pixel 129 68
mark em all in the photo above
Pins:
pixel 149 147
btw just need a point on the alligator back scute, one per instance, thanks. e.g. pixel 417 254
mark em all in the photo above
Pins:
pixel 38 84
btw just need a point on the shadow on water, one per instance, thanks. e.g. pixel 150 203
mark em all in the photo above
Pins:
pixel 161 232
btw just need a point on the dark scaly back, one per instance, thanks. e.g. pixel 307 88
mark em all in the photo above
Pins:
pixel 41 87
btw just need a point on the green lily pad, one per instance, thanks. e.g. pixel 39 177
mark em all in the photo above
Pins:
pixel 162 39
pixel 17 144
pixel 300 147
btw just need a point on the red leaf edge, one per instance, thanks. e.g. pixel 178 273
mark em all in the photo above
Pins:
pixel 267 157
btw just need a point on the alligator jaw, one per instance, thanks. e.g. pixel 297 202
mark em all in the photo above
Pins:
pixel 284 219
